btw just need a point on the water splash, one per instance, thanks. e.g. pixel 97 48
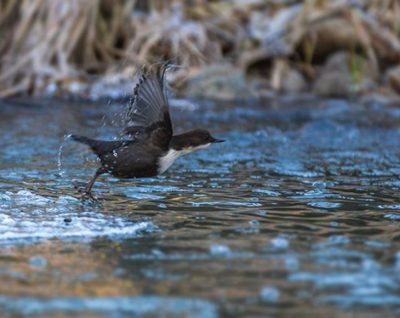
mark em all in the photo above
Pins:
pixel 61 172
pixel 26 217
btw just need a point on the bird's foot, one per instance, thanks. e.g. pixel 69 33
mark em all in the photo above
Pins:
pixel 88 196
pixel 85 194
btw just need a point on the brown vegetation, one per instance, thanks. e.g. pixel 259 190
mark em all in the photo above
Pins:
pixel 57 46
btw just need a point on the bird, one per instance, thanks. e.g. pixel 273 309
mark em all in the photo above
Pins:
pixel 147 146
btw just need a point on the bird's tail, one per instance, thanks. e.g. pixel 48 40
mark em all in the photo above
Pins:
pixel 82 139
pixel 100 147
pixel 95 145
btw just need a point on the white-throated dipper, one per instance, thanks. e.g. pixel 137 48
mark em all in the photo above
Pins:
pixel 149 146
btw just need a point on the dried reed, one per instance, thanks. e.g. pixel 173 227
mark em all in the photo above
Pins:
pixel 47 42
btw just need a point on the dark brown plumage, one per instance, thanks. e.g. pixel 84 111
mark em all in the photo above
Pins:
pixel 149 146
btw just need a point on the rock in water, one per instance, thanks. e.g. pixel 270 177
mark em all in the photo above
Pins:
pixel 344 74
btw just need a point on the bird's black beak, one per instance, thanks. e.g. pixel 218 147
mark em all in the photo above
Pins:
pixel 214 140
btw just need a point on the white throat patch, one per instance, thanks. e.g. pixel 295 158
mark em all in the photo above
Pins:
pixel 169 158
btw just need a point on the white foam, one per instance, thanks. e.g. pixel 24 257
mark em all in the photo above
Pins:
pixel 139 306
pixel 25 215
pixel 36 231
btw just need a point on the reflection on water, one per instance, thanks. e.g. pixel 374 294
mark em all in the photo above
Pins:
pixel 297 214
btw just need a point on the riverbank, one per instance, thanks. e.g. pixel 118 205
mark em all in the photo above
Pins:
pixel 223 49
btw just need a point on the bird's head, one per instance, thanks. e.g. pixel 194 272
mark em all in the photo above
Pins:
pixel 193 140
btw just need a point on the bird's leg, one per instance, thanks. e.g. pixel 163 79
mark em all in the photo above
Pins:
pixel 87 190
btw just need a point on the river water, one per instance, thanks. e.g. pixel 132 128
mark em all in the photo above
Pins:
pixel 297 214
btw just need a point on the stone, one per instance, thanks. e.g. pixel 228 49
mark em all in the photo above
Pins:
pixel 343 75
pixel 333 84
pixel 222 82
pixel 393 78
pixel 286 79
pixel 294 82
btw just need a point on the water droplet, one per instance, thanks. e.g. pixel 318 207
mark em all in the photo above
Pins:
pixel 61 172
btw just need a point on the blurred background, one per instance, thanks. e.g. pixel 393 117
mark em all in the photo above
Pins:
pixel 225 49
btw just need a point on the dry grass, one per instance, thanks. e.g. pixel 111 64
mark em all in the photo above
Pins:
pixel 50 42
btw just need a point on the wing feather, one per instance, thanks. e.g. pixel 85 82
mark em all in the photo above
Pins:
pixel 148 113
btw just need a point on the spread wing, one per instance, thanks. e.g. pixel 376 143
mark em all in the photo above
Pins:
pixel 148 113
